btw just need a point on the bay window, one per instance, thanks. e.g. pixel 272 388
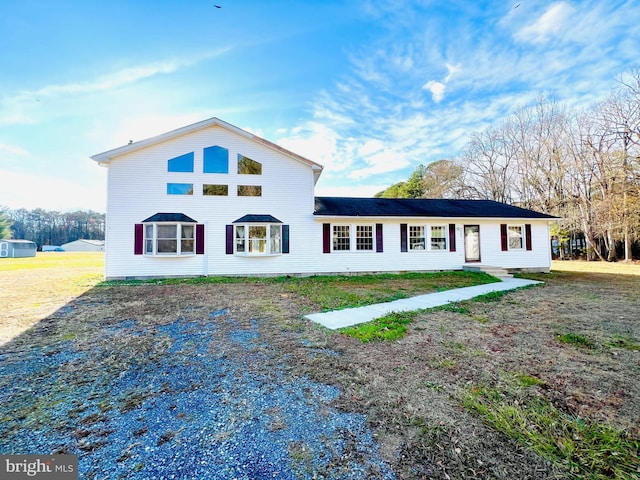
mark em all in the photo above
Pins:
pixel 253 239
pixel 169 239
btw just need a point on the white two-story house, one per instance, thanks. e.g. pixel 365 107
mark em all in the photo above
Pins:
pixel 213 199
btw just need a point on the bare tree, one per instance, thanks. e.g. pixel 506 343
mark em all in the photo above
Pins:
pixel 442 179
pixel 489 171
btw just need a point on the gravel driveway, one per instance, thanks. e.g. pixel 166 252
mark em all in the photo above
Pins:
pixel 200 397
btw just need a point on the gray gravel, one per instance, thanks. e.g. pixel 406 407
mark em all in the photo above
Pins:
pixel 188 400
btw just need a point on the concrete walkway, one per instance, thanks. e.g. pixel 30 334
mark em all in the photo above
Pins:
pixel 353 316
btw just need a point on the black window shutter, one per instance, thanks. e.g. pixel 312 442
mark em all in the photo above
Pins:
pixel 285 238
pixel 138 239
pixel 452 237
pixel 379 246
pixel 326 238
pixel 199 239
pixel 229 239
pixel 527 235
pixel 503 237
pixel 403 237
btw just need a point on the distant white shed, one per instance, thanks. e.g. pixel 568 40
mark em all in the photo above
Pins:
pixel 10 248
pixel 83 245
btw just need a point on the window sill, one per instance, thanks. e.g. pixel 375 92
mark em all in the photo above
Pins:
pixel 169 255
pixel 352 251
pixel 257 255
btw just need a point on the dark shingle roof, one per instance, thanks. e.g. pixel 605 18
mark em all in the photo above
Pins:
pixel 427 207
pixel 257 219
pixel 169 217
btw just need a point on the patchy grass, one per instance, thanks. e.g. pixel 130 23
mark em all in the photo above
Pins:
pixel 456 307
pixel 575 339
pixel 623 341
pixel 334 292
pixel 390 327
pixel 585 449
pixel 526 380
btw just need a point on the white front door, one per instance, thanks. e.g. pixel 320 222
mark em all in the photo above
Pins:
pixel 4 249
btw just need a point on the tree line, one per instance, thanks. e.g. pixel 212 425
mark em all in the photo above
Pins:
pixel 51 227
pixel 581 165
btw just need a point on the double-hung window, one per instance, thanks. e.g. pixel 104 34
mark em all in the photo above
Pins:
pixel 515 236
pixel 416 237
pixel 341 238
pixel 169 239
pixel 438 237
pixel 364 237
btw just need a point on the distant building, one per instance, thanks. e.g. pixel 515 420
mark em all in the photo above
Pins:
pixel 52 248
pixel 17 248
pixel 82 245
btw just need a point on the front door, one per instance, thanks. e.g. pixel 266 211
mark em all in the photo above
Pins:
pixel 472 243
pixel 4 249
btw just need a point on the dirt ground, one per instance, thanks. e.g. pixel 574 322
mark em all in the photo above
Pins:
pixel 410 389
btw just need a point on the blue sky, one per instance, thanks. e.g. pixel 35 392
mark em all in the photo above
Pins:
pixel 369 89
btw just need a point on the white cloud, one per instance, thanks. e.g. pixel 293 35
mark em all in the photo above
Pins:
pixel 321 144
pixel 452 70
pixel 370 146
pixel 554 21
pixel 385 161
pixel 437 90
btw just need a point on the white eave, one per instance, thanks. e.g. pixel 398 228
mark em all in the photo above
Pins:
pixel 104 158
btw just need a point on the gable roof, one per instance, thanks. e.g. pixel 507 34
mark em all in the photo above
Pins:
pixel 97 243
pixel 105 157
pixel 423 207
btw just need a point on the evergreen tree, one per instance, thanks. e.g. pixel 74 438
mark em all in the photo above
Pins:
pixel 5 224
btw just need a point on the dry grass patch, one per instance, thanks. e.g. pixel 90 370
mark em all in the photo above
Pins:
pixel 39 286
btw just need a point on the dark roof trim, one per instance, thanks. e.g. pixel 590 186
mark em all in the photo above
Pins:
pixel 427 207
pixel 257 219
pixel 169 217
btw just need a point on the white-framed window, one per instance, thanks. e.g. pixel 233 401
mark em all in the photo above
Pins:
pixel 515 237
pixel 416 237
pixel 341 238
pixel 353 238
pixel 364 237
pixel 170 239
pixel 428 237
pixel 438 237
pixel 254 239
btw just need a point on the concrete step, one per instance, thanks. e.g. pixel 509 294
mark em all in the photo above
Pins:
pixel 489 269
